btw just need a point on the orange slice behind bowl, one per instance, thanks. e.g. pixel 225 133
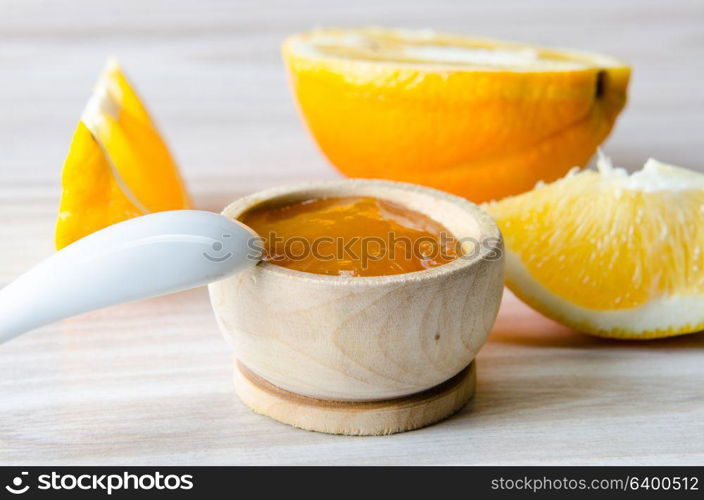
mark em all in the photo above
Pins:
pixel 118 166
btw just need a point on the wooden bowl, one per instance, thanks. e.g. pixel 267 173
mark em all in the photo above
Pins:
pixel 323 339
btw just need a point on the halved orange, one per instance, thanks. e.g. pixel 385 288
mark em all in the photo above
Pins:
pixel 118 166
pixel 479 118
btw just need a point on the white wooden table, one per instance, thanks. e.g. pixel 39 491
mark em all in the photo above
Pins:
pixel 150 382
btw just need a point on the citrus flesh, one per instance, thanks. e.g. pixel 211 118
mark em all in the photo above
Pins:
pixel 480 118
pixel 609 253
pixel 118 166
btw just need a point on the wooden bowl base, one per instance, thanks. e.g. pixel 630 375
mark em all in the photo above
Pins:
pixel 365 418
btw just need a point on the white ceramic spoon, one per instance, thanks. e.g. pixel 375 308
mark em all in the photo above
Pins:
pixel 144 257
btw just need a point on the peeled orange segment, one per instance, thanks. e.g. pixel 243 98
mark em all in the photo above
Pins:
pixel 118 166
pixel 480 118
pixel 609 253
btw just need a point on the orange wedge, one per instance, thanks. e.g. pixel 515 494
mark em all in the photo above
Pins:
pixel 118 166
pixel 610 253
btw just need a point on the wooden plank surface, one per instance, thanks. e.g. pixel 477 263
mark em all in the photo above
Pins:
pixel 150 382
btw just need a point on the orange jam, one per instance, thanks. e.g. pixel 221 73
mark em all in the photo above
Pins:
pixel 351 236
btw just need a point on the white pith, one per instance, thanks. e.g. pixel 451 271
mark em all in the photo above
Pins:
pixel 101 104
pixel 660 314
pixel 421 48
pixel 654 176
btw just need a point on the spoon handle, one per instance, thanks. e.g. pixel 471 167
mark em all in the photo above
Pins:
pixel 144 257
